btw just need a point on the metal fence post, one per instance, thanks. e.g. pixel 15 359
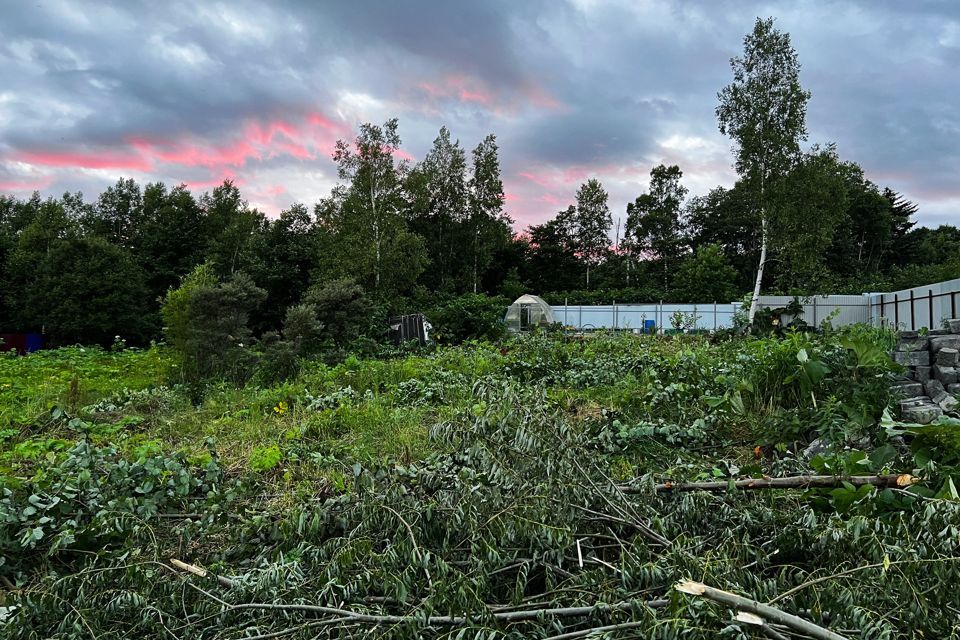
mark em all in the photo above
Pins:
pixel 930 305
pixel 913 315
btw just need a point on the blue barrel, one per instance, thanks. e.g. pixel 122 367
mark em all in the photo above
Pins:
pixel 34 342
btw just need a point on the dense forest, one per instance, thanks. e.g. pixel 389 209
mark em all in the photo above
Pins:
pixel 413 237
pixel 394 236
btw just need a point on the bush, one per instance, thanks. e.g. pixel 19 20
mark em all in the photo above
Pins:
pixel 207 321
pixel 471 316
pixel 343 309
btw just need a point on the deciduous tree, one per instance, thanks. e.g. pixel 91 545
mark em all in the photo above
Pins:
pixel 655 228
pixel 764 111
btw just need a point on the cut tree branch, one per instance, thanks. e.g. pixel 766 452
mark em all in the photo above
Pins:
pixel 199 571
pixel 504 616
pixel 891 480
pixel 752 606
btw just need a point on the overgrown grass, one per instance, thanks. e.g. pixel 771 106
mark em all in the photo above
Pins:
pixel 456 479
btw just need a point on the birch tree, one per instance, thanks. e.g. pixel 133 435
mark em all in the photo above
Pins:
pixel 375 183
pixel 439 204
pixel 764 112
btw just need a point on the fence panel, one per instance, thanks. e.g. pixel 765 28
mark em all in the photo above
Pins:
pixel 839 309
pixel 927 306
pixel 709 316
pixel 917 308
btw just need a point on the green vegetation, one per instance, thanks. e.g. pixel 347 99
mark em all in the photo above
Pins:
pixel 486 480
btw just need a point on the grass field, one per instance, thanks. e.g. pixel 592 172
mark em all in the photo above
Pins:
pixel 481 480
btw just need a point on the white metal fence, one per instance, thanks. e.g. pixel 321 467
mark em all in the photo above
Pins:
pixel 840 309
pixel 637 317
pixel 927 306
pixel 912 309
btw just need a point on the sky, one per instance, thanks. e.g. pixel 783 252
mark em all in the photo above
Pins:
pixel 199 92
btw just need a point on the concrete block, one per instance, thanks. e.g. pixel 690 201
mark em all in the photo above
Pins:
pixel 947 357
pixel 954 389
pixel 914 344
pixel 938 332
pixel 907 389
pixel 946 375
pixel 954 325
pixel 944 342
pixel 913 358
pixel 923 414
pixel 949 404
pixel 916 401
pixel 935 390
pixel 922 374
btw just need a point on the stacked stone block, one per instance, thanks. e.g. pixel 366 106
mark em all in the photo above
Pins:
pixel 931 385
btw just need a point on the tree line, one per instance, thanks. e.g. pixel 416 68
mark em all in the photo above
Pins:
pixel 394 236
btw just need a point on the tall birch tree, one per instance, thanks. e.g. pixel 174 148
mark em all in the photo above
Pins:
pixel 375 183
pixel 764 112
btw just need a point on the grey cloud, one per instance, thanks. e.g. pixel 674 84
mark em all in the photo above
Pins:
pixel 624 76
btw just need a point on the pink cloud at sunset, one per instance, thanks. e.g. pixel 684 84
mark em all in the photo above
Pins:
pixel 104 159
pixel 25 185
pixel 459 87
pixel 308 138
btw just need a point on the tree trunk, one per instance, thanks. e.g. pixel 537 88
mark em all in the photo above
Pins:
pixel 376 236
pixel 754 301
pixel 476 248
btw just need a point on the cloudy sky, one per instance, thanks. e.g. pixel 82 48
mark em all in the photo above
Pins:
pixel 259 92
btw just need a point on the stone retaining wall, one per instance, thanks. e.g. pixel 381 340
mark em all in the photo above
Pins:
pixel 931 384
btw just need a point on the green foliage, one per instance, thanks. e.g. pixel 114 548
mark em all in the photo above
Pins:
pixel 177 306
pixel 706 276
pixel 654 227
pixel 342 308
pixel 85 290
pixel 207 322
pixel 514 505
pixel 265 458
pixel 468 317
pixel 93 499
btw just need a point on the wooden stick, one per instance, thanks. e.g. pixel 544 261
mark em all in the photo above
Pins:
pixel 793 482
pixel 752 606
pixel 199 571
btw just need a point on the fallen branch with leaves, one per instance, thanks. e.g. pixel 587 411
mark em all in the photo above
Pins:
pixel 891 480
pixel 755 608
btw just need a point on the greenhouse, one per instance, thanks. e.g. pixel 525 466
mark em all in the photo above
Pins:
pixel 528 312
